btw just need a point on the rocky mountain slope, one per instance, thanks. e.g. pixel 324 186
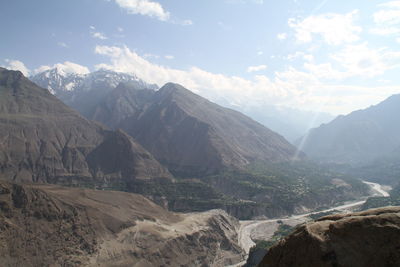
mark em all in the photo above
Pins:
pixel 224 149
pixel 43 140
pixel 215 137
pixel 359 137
pixel 362 239
pixel 195 137
pixel 83 92
pixel 76 90
pixel 43 225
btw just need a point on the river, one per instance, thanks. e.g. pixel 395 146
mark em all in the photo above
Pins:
pixel 262 229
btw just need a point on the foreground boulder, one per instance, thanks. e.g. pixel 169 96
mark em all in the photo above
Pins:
pixel 46 225
pixel 369 238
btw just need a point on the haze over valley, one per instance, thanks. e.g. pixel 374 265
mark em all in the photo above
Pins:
pixel 144 133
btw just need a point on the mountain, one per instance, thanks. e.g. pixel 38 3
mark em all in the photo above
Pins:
pixel 359 137
pixel 46 225
pixel 43 140
pixel 291 123
pixel 220 158
pixel 250 165
pixel 83 92
pixel 368 238
pixel 195 137
pixel 76 90
pixel 126 100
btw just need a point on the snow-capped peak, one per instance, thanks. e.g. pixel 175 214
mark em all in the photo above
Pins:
pixel 70 77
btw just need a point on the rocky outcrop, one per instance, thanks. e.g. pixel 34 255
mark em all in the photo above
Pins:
pixel 369 238
pixel 46 225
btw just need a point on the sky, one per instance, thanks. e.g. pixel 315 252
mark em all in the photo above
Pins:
pixel 319 55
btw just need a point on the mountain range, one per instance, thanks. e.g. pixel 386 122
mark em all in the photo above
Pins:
pixel 82 92
pixel 189 134
pixel 172 146
pixel 359 137
pixel 76 91
pixel 221 158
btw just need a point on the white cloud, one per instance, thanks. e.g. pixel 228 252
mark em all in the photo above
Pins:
pixel 391 4
pixel 299 54
pixel 120 29
pixel 325 71
pixel 292 88
pixel 62 44
pixel 64 68
pixel 17 65
pixel 387 16
pixel 382 30
pixel 145 8
pixel 354 61
pixel 99 35
pixel 256 68
pixel 210 85
pixel 92 27
pixel 169 57
pixel 281 36
pixel 41 69
pixel 387 19
pixel 149 55
pixel 360 60
pixel 334 29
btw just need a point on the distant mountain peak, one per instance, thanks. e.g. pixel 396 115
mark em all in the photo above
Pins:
pixel 358 137
pixel 61 79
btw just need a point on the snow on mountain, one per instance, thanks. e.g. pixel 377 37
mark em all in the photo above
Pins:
pixel 60 80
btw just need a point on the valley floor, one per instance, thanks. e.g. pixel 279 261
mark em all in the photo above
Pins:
pixel 251 230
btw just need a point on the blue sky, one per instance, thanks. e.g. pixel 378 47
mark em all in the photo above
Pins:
pixel 333 56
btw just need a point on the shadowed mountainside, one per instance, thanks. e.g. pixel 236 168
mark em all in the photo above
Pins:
pixel 359 137
pixel 193 136
pixel 42 140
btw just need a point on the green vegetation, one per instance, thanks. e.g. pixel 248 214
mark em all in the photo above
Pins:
pixel 272 190
pixel 258 252
pixel 286 186
pixel 385 171
pixel 282 231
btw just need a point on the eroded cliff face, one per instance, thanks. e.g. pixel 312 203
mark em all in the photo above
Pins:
pixel 43 225
pixel 369 238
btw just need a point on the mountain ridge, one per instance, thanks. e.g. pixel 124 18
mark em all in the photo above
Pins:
pixel 359 137
pixel 229 137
